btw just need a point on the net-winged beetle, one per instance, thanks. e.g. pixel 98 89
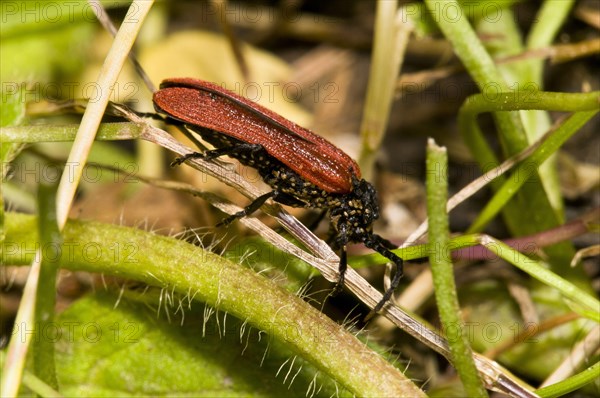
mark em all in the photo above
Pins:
pixel 302 168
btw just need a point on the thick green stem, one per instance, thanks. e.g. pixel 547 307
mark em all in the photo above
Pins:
pixel 189 270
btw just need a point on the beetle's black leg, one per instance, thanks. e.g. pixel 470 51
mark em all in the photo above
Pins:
pixel 379 244
pixel 339 285
pixel 215 153
pixel 341 240
pixel 387 243
pixel 288 200
pixel 258 202
pixel 231 150
pixel 181 159
pixel 251 208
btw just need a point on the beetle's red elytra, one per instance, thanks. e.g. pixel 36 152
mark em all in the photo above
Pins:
pixel 196 102
pixel 302 168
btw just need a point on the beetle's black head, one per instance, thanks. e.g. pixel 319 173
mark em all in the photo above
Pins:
pixel 354 216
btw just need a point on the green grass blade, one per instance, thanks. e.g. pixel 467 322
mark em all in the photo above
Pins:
pixel 526 169
pixel 390 41
pixel 531 210
pixel 586 305
pixel 51 243
pixel 66 133
pixel 572 383
pixel 443 273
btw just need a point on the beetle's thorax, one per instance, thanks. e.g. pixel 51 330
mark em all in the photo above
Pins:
pixel 354 216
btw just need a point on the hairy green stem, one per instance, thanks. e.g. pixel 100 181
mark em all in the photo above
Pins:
pixel 189 270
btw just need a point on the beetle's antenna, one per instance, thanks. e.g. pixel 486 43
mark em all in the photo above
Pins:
pixel 103 18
